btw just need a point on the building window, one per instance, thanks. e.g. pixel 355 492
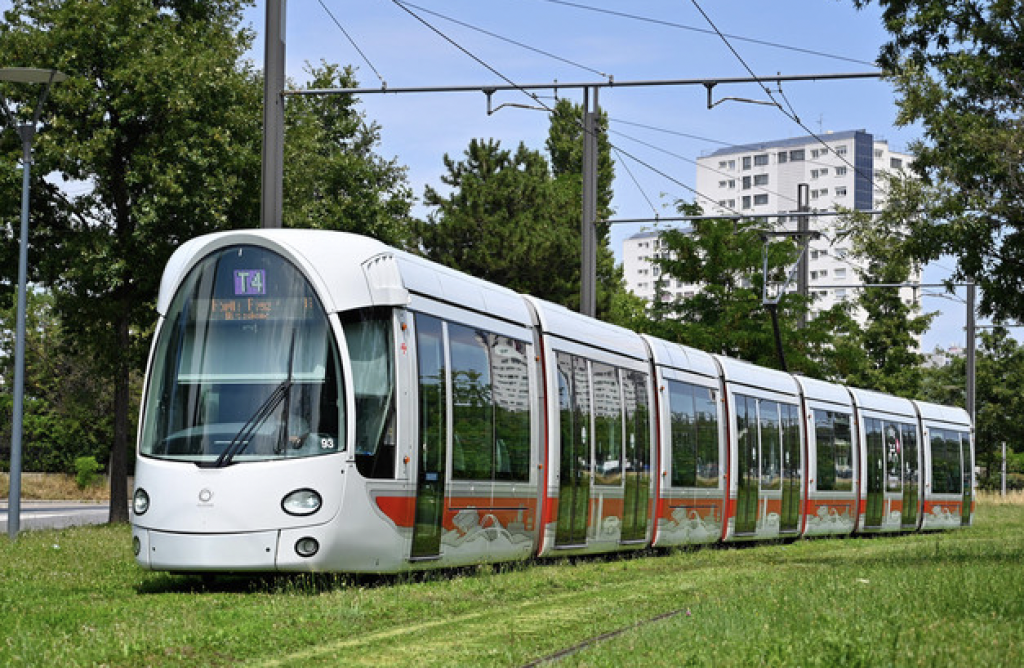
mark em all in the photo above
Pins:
pixel 895 163
pixel 840 171
pixel 840 273
pixel 761 160
pixel 840 150
pixel 878 153
pixel 782 157
pixel 815 173
pixel 796 155
pixel 732 183
pixel 746 183
pixel 841 191
pixel 722 164
pixel 746 162
pixel 722 184
pixel 761 180
pixel 746 201
pixel 760 200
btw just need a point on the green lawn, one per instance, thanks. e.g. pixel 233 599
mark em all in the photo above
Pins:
pixel 75 597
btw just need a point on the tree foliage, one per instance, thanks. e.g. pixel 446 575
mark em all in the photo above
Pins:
pixel 723 259
pixel 333 179
pixel 513 217
pixel 958 68
pixel 889 338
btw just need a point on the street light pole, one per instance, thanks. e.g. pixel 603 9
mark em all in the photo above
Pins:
pixel 27 131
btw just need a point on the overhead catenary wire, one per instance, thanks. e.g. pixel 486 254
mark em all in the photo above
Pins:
pixel 353 43
pixel 680 26
pixel 791 115
pixel 509 40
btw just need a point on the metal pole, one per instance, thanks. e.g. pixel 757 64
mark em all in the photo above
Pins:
pixel 1003 492
pixel 803 277
pixel 971 290
pixel 588 231
pixel 273 116
pixel 27 131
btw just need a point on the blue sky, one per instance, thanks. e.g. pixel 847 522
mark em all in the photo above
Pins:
pixel 589 41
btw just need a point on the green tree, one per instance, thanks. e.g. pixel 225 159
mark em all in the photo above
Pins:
pixel 333 179
pixel 999 375
pixel 958 68
pixel 67 406
pixel 890 336
pixel 723 259
pixel 158 118
pixel 514 218
pixel 503 221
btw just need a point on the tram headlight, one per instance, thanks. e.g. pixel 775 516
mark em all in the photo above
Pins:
pixel 140 502
pixel 301 502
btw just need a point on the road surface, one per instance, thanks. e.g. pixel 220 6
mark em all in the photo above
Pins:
pixel 56 514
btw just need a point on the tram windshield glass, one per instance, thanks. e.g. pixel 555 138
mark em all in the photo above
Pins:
pixel 245 367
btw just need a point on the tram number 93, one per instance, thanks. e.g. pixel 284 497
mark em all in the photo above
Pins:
pixel 327 443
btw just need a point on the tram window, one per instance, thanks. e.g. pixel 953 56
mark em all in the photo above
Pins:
pixel 432 393
pixel 771 446
pixel 638 433
pixel 694 429
pixel 684 434
pixel 834 451
pixel 369 338
pixel 894 458
pixel 511 392
pixel 472 404
pixel 946 477
pixel 245 367
pixel 607 425
pixel 910 456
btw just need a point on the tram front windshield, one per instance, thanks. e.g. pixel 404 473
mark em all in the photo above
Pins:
pixel 245 367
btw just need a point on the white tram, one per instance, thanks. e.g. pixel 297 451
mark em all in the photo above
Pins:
pixel 318 401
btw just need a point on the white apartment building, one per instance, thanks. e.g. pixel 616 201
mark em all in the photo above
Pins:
pixel 762 180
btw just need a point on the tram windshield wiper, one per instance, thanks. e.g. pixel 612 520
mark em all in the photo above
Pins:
pixel 240 441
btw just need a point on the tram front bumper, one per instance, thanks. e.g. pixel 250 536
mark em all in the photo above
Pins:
pixel 165 551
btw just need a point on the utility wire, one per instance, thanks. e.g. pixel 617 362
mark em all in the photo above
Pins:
pixel 768 91
pixel 625 165
pixel 353 43
pixel 510 41
pixel 403 6
pixel 705 31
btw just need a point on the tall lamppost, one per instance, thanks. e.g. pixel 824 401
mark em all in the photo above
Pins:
pixel 27 131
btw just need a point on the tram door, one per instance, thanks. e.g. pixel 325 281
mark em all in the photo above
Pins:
pixel 638 452
pixel 791 467
pixel 747 462
pixel 911 467
pixel 876 472
pixel 968 478
pixel 574 451
pixel 433 399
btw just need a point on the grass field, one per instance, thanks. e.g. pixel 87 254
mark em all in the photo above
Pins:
pixel 75 597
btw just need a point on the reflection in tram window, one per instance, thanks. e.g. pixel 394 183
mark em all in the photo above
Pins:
pixel 833 440
pixel 694 429
pixel 607 425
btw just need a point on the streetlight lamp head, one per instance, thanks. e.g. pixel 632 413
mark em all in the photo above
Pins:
pixel 31 75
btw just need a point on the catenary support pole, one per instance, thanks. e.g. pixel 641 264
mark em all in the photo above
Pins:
pixel 971 334
pixel 272 192
pixel 588 231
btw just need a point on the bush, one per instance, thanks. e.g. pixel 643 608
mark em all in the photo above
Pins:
pixel 86 469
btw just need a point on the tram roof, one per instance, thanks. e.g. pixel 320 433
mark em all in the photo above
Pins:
pixel 883 403
pixel 949 414
pixel 351 271
pixel 684 358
